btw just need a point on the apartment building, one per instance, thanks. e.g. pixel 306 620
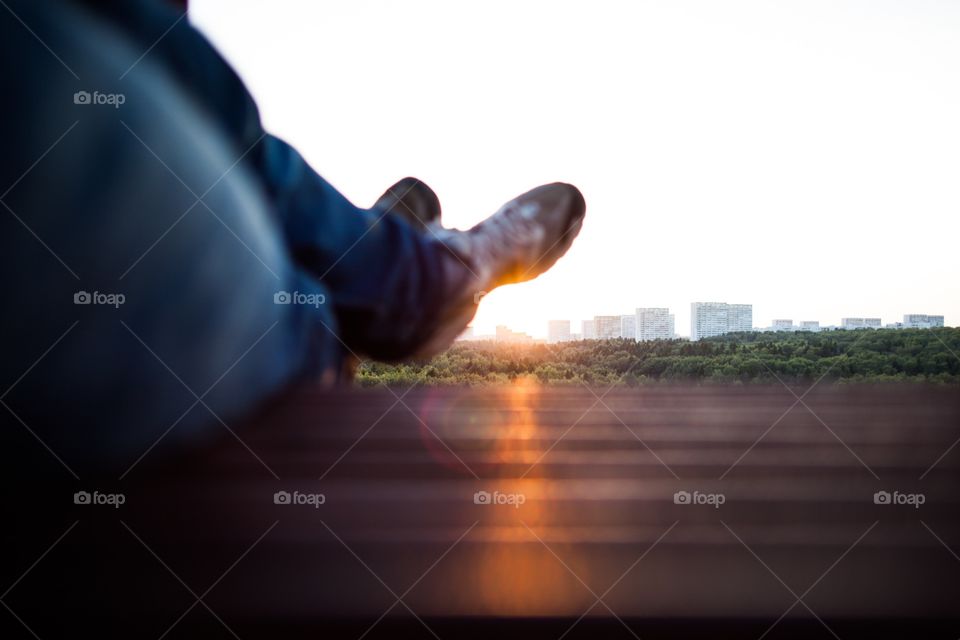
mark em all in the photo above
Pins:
pixel 921 321
pixel 654 323
pixel 607 327
pixel 709 319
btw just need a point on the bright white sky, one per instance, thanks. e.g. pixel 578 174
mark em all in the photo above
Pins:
pixel 802 156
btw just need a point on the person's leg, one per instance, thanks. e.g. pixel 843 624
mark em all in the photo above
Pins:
pixel 402 290
pixel 391 284
pixel 388 283
pixel 198 218
pixel 394 288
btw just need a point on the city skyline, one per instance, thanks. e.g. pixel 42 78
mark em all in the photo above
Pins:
pixel 657 323
pixel 536 324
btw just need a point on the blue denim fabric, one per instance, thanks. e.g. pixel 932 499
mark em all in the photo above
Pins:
pixel 103 198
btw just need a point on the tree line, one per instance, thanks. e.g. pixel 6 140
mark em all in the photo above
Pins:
pixel 868 355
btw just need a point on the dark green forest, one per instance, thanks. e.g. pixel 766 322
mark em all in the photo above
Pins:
pixel 882 355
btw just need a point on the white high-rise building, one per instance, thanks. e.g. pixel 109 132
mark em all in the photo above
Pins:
pixel 588 330
pixel 809 325
pixel 654 323
pixel 921 321
pixel 558 331
pixel 708 319
pixel 628 326
pixel 717 318
pixel 607 327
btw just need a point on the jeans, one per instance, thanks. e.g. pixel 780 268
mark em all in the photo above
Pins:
pixel 168 264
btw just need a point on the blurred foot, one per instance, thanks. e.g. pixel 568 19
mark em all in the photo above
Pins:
pixel 524 238
pixel 413 201
pixel 517 243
